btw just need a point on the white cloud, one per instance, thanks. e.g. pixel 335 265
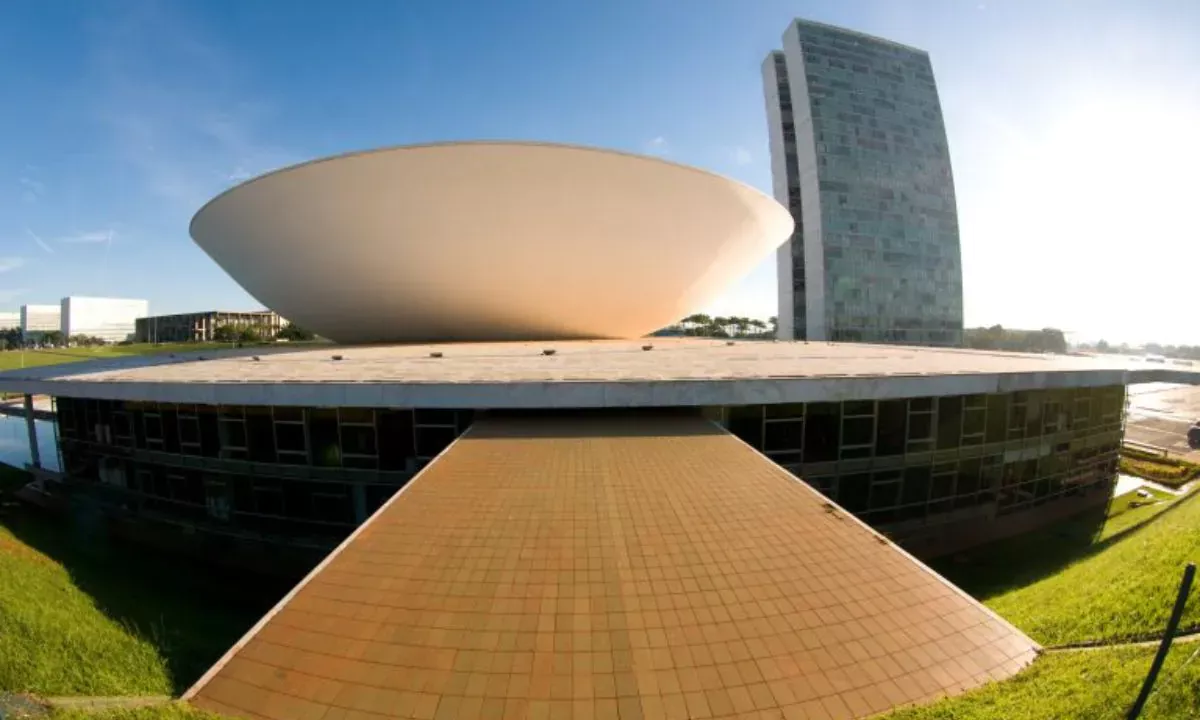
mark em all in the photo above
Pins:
pixel 10 263
pixel 741 156
pixel 657 146
pixel 96 236
pixel 39 241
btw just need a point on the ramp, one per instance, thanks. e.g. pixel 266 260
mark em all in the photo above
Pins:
pixel 605 567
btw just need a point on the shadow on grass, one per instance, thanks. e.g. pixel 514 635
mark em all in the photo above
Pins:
pixel 192 613
pixel 996 568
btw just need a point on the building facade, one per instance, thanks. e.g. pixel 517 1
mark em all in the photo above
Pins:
pixel 110 319
pixel 200 326
pixel 10 320
pixel 859 155
pixel 936 474
pixel 36 320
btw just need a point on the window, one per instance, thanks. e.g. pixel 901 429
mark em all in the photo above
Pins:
pixel 231 427
pixel 783 436
pixel 291 442
pixel 885 493
pixel 941 489
pixel 916 485
pixel 950 422
pixel 260 434
pixel 122 428
pixel 1033 415
pixel 358 439
pixel 746 421
pixel 323 437
pixel 822 432
pixel 153 428
pixel 854 491
pixel 189 430
pixel 890 429
pixel 920 425
pixel 858 429
pixel 1082 417
pixel 396 439
pixel 997 418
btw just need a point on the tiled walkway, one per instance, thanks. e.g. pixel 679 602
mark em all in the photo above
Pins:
pixel 639 567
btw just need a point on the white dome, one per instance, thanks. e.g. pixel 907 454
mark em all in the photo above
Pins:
pixel 488 241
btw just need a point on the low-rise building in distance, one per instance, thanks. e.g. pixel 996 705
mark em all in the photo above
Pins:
pixel 10 319
pixel 37 320
pixel 202 326
pixel 109 319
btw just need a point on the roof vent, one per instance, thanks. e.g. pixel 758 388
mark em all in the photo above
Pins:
pixel 729 342
pixel 337 357
pixel 435 354
pixel 549 351
pixel 647 347
pixel 255 358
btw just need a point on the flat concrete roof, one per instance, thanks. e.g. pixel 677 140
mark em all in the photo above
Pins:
pixel 651 566
pixel 603 373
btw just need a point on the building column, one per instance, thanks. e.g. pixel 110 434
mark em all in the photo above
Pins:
pixel 34 453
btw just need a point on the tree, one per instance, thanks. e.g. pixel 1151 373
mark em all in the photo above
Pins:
pixel 249 334
pixel 225 334
pixel 1102 346
pixel 295 333
pixel 53 338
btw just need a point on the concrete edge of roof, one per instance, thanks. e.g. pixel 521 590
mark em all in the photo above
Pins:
pixel 577 393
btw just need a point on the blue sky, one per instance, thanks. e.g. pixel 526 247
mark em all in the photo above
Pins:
pixel 1073 127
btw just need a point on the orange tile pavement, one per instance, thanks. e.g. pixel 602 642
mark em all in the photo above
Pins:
pixel 610 567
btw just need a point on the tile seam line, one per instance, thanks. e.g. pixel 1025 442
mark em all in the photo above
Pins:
pixel 925 568
pixel 212 672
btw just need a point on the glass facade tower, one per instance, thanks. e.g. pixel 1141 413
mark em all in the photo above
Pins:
pixel 859 155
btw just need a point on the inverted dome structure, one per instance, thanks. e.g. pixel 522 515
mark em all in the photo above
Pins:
pixel 488 241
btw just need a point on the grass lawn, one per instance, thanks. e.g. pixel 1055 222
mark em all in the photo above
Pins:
pixel 1091 685
pixel 1130 510
pixel 1084 581
pixel 170 711
pixel 83 617
pixel 13 359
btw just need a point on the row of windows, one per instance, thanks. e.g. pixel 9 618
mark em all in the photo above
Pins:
pixel 831 431
pixel 358 438
pixel 273 506
pixel 919 492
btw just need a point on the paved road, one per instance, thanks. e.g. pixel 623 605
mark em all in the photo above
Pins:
pixel 1159 415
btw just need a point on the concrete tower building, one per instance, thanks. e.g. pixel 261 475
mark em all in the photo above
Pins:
pixel 859 156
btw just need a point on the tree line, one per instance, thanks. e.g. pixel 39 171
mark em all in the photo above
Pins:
pixel 1184 352
pixel 702 325
pixel 14 339
pixel 253 334
pixel 1009 340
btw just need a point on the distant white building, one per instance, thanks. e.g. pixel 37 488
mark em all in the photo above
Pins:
pixel 10 320
pixel 38 319
pixel 111 319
